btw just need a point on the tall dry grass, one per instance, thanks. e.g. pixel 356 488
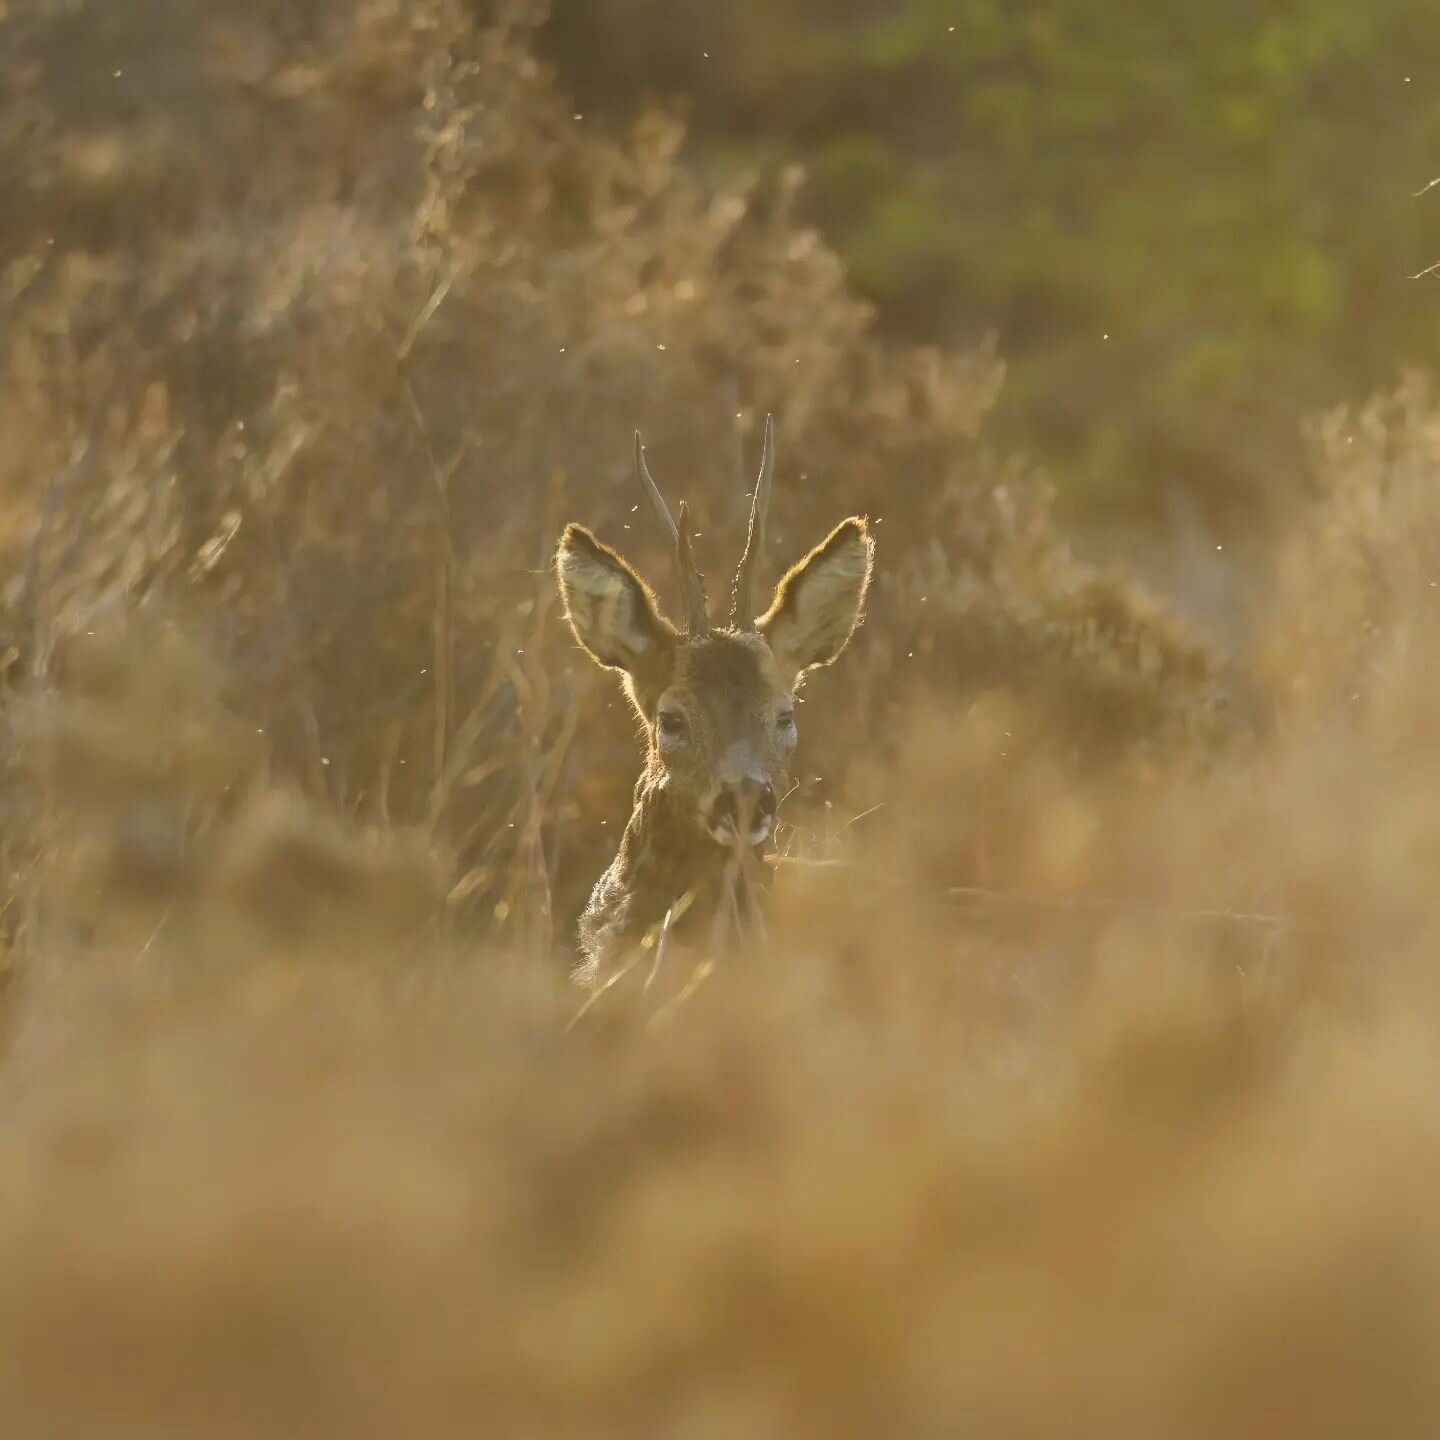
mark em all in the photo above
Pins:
pixel 1085 1084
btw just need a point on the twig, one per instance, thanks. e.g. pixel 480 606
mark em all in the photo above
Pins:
pixel 427 312
pixel 672 917
pixel 854 818
pixel 144 950
pixel 660 947
pixel 593 998
pixel 1113 904
pixel 979 894
pixel 667 1011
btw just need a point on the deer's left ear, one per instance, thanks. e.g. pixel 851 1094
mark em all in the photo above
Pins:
pixel 819 602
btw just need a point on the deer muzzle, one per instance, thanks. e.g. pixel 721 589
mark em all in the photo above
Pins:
pixel 741 812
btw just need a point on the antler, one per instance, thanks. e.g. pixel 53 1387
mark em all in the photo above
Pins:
pixel 742 604
pixel 692 590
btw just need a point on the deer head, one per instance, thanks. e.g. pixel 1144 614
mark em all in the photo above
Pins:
pixel 717 704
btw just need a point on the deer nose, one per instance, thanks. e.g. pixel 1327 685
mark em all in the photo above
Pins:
pixel 765 801
pixel 744 808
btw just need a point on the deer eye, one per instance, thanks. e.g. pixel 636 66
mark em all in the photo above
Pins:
pixel 673 724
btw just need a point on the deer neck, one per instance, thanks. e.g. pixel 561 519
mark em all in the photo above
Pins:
pixel 664 851
pixel 664 857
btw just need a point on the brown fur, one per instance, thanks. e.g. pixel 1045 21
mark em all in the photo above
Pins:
pixel 732 690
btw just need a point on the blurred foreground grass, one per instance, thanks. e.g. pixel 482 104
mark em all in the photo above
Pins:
pixel 1085 1086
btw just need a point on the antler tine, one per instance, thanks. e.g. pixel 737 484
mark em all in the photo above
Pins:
pixel 692 593
pixel 698 616
pixel 742 605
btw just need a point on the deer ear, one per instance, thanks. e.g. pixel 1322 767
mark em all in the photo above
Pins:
pixel 609 607
pixel 819 602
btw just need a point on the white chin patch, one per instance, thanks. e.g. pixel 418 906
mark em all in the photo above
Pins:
pixel 724 833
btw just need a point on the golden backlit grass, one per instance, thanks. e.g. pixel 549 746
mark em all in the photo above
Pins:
pixel 1135 1136
pixel 1085 1086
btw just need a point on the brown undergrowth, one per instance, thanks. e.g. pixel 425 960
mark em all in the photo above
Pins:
pixel 1131 1135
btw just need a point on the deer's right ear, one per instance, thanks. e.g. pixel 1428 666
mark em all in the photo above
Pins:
pixel 609 607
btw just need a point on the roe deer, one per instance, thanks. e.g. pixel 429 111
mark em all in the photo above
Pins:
pixel 717 706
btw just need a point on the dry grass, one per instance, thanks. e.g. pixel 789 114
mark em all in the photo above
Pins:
pixel 1085 1084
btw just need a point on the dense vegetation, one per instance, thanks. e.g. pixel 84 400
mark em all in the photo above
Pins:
pixel 1152 205
pixel 326 339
